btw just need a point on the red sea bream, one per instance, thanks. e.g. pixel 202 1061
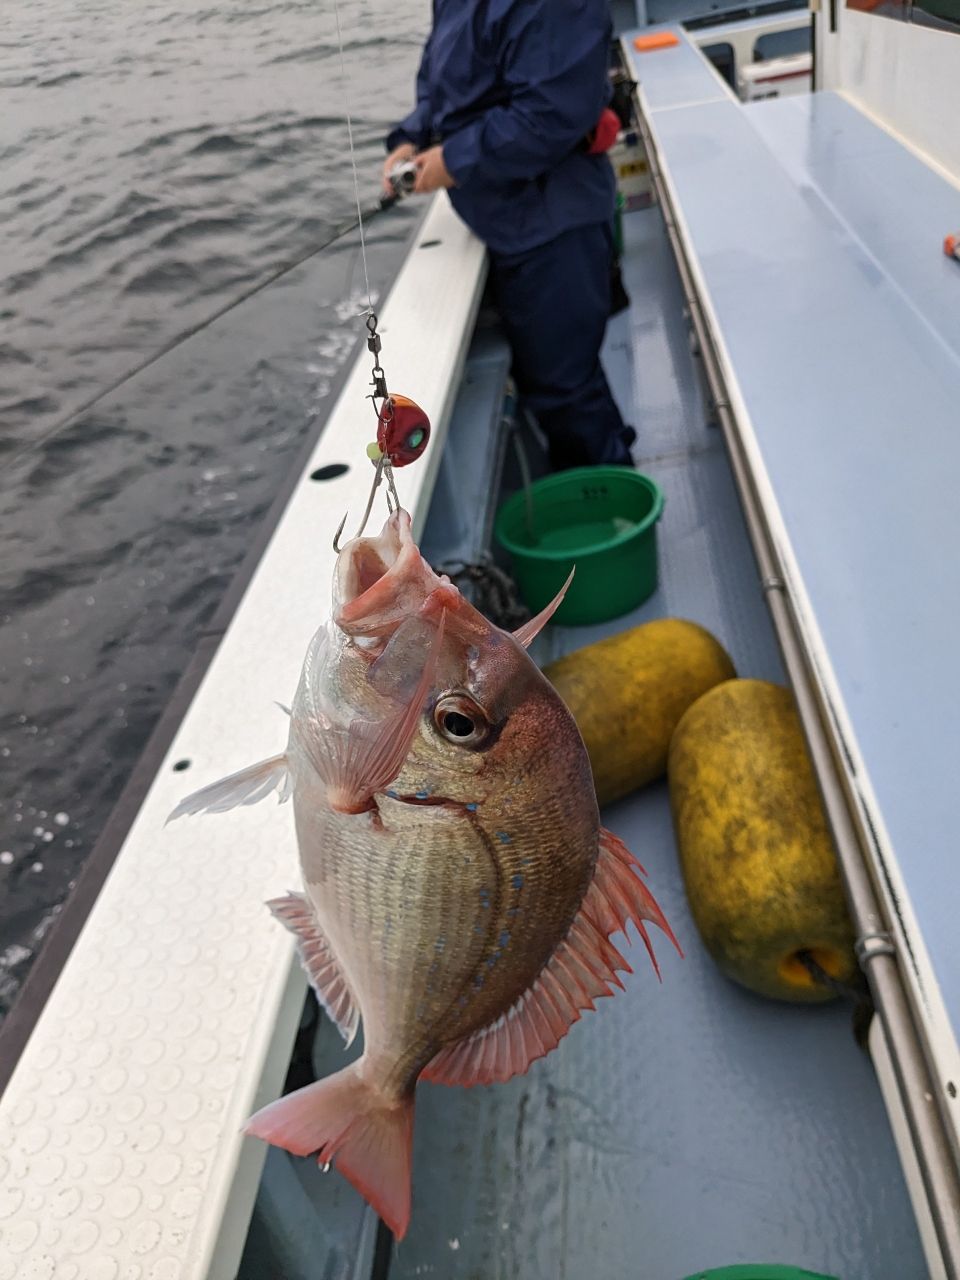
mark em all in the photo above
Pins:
pixel 459 891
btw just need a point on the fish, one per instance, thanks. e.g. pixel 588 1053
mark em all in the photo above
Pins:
pixel 459 893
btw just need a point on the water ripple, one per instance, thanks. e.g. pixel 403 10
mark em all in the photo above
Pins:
pixel 155 158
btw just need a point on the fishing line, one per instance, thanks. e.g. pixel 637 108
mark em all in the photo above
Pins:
pixel 386 202
pixel 353 153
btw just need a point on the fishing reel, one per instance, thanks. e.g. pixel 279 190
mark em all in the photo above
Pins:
pixel 403 178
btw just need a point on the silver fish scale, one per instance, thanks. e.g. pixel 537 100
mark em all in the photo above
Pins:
pixel 438 924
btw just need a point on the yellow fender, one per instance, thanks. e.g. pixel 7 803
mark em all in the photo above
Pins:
pixel 755 849
pixel 628 692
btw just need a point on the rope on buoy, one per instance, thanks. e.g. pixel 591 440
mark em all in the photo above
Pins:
pixel 858 992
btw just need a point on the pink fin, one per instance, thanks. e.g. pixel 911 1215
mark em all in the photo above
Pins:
pixel 344 1119
pixel 368 756
pixel 246 787
pixel 617 895
pixel 318 960
pixel 530 630
pixel 583 968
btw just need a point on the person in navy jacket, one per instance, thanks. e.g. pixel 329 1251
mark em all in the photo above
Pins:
pixel 508 92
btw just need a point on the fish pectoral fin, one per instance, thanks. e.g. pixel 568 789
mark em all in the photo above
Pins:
pixel 363 759
pixel 343 1119
pixel 320 964
pixel 583 968
pixel 530 630
pixel 246 787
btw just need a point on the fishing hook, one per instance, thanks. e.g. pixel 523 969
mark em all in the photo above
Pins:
pixel 382 465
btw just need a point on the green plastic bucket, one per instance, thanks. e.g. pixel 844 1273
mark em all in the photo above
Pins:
pixel 759 1271
pixel 601 520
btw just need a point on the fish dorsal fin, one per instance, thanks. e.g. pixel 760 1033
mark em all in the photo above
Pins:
pixel 324 973
pixel 583 968
pixel 530 630
pixel 246 787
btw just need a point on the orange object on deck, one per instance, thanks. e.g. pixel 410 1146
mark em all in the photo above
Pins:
pixel 659 40
pixel 951 246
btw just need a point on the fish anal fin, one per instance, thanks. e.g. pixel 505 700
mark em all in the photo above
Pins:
pixel 582 969
pixel 246 787
pixel 320 964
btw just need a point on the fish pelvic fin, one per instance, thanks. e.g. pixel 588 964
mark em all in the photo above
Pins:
pixel 526 634
pixel 345 1121
pixel 583 968
pixel 246 787
pixel 320 964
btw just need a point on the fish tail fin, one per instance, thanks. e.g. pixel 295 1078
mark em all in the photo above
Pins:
pixel 343 1119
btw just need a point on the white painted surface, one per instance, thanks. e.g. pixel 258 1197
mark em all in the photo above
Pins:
pixel 906 77
pixel 120 1144
pixel 743 35
pixel 883 1064
pixel 775 78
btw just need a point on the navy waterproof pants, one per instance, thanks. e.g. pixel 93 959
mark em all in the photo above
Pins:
pixel 554 301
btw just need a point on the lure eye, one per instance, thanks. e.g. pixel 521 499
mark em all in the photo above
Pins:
pixel 460 721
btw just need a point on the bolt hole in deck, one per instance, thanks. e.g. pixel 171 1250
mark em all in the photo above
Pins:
pixel 330 472
pixel 181 765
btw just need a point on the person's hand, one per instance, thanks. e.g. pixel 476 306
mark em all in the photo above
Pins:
pixel 405 151
pixel 432 173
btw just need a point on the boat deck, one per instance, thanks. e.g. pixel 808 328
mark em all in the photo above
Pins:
pixel 680 1126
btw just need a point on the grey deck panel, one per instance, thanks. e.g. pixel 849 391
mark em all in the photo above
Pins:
pixel 879 192
pixel 690 1124
pixel 675 76
pixel 853 400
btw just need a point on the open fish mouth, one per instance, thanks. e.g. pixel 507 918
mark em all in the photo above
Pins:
pixel 381 581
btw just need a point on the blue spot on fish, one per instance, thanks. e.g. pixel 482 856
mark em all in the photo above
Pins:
pixel 505 937
pixel 439 945
pixel 471 808
pixel 512 911
pixel 421 795
pixel 393 795
pixel 478 980
pixel 503 837
pixel 517 880
pixel 462 1001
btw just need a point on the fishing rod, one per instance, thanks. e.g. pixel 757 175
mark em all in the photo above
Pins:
pixel 361 217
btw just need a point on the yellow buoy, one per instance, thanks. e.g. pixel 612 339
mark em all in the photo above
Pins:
pixel 628 692
pixel 756 853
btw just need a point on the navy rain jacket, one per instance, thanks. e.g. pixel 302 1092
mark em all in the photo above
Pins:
pixel 511 88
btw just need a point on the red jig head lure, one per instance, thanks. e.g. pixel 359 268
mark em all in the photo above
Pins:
pixel 403 430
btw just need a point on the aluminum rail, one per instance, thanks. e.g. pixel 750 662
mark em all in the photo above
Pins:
pixel 876 949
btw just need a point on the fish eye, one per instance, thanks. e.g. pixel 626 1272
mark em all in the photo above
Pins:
pixel 460 721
